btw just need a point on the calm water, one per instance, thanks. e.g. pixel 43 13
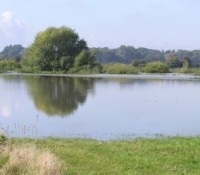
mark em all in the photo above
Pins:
pixel 101 108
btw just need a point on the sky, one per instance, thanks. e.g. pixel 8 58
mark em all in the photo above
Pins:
pixel 155 24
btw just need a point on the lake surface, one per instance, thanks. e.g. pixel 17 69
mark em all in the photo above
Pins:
pixel 98 107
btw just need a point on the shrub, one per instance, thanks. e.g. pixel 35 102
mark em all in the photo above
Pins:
pixel 118 68
pixel 8 65
pixel 25 69
pixel 156 67
pixel 138 63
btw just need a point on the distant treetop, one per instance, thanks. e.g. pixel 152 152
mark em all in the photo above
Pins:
pixel 12 52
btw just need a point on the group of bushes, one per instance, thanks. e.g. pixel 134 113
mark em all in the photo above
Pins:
pixel 9 66
pixel 97 68
pixel 152 67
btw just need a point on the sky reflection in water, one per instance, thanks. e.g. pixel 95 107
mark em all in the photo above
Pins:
pixel 102 108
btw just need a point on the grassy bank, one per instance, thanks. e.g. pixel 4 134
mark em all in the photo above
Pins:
pixel 140 156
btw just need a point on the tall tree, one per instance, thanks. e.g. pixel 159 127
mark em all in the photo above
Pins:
pixel 54 48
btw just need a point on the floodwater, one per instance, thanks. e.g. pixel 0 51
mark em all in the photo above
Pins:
pixel 98 107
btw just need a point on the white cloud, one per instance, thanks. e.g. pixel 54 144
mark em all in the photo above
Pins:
pixel 6 18
pixel 11 29
pixel 9 22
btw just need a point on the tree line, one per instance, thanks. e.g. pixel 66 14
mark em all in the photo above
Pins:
pixel 61 50
pixel 130 54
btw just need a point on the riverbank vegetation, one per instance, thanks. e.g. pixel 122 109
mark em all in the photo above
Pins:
pixel 9 66
pixel 60 50
pixel 82 156
pixel 119 68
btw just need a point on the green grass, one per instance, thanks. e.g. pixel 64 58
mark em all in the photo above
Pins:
pixel 140 156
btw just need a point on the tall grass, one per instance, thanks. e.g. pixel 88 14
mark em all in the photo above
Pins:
pixel 26 159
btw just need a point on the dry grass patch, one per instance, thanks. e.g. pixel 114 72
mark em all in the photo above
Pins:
pixel 27 160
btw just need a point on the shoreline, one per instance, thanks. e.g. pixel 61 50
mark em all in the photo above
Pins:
pixel 156 76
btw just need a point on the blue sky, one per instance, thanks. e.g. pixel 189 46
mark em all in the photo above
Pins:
pixel 157 24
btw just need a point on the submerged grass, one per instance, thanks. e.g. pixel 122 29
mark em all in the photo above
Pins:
pixel 140 156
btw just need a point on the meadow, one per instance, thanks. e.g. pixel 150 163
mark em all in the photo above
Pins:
pixel 176 155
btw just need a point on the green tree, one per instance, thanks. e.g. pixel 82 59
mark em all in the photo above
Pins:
pixel 84 58
pixel 125 54
pixel 174 63
pixel 54 49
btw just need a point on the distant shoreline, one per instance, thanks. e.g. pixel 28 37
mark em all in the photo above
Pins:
pixel 149 76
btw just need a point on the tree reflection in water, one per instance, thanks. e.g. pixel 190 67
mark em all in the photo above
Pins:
pixel 59 96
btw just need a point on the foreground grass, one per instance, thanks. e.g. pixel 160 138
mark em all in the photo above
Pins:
pixel 140 156
pixel 26 159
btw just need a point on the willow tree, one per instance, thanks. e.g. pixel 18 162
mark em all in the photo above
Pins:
pixel 54 49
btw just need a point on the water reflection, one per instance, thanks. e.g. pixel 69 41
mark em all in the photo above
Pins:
pixel 59 96
pixel 120 106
